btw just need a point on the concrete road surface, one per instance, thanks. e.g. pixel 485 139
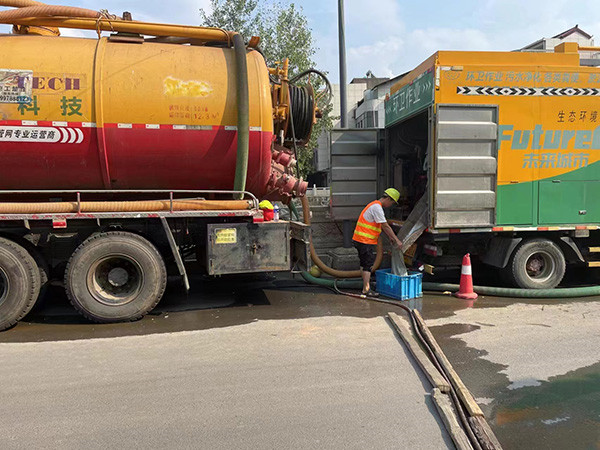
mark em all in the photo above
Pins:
pixel 319 382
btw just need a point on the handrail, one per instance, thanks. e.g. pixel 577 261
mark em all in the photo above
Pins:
pixel 131 191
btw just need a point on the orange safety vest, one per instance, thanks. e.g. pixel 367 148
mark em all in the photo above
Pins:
pixel 367 232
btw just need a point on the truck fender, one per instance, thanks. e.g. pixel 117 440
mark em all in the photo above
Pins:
pixel 570 249
pixel 500 250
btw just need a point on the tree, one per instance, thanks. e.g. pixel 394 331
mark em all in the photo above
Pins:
pixel 284 33
pixel 231 15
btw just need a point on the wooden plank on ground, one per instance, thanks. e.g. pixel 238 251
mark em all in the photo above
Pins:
pixel 448 415
pixel 486 437
pixel 461 390
pixel 432 373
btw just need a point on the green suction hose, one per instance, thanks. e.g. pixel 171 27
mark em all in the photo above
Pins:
pixel 347 283
pixel 483 290
pixel 293 211
pixel 587 291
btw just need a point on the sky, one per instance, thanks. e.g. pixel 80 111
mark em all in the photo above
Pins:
pixel 390 37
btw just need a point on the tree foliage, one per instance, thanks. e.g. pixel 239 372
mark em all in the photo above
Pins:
pixel 231 15
pixel 285 33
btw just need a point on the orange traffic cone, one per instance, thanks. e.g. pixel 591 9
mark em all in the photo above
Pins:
pixel 466 280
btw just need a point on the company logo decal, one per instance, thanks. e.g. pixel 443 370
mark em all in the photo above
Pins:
pixel 59 135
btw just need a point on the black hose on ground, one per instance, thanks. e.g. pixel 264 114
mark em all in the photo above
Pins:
pixel 432 356
pixel 355 283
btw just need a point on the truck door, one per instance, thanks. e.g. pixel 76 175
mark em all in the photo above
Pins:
pixel 354 171
pixel 465 166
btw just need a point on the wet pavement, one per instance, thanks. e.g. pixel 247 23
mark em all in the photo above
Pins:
pixel 533 365
pixel 264 364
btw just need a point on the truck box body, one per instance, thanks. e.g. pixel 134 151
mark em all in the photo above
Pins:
pixel 513 139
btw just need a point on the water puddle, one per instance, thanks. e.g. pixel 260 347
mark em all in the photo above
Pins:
pixel 561 413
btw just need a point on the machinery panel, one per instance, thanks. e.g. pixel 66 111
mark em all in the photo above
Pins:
pixel 248 247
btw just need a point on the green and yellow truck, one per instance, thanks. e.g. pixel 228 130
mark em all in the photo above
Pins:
pixel 505 147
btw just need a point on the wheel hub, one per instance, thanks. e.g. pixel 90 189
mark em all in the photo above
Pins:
pixel 535 264
pixel 118 277
pixel 540 266
pixel 115 280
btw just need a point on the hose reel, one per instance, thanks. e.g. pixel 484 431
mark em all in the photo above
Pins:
pixel 302 103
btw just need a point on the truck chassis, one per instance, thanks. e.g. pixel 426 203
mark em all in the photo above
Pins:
pixel 115 264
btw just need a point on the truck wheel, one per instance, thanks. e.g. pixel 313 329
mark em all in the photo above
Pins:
pixel 44 269
pixel 115 276
pixel 19 283
pixel 537 264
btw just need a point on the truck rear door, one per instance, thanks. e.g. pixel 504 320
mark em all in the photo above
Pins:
pixel 465 166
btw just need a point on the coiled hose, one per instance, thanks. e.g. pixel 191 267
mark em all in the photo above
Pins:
pixel 302 103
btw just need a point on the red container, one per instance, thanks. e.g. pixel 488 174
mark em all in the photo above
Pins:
pixel 268 214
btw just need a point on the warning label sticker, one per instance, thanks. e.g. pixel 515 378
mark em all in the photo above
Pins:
pixel 226 236
pixel 15 86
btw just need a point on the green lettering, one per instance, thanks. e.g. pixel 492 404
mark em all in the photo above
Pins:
pixel 501 136
pixel 583 139
pixel 596 141
pixel 537 136
pixel 566 138
pixel 552 139
pixel 517 142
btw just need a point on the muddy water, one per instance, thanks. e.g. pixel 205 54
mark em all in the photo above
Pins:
pixel 562 411
pixel 526 412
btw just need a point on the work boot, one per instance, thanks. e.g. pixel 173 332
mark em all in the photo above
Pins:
pixel 371 293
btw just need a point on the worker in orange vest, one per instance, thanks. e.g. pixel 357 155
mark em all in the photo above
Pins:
pixel 366 234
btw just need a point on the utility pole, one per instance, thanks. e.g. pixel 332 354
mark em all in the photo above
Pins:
pixel 347 225
pixel 342 39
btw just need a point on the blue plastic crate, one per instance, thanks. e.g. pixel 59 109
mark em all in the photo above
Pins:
pixel 401 288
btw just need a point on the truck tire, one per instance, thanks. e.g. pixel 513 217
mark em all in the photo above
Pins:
pixel 115 277
pixel 537 264
pixel 19 283
pixel 44 269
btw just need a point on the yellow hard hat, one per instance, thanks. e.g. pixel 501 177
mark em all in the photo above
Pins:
pixel 393 194
pixel 266 204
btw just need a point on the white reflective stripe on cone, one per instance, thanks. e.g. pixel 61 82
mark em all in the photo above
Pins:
pixel 466 270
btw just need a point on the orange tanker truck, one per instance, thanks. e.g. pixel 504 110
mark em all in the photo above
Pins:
pixel 121 155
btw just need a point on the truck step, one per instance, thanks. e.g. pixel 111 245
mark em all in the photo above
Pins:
pixel 594 249
pixel 593 263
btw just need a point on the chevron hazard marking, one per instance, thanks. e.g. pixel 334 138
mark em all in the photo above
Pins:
pixel 528 91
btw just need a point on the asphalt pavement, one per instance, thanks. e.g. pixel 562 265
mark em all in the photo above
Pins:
pixel 263 361
pixel 283 368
